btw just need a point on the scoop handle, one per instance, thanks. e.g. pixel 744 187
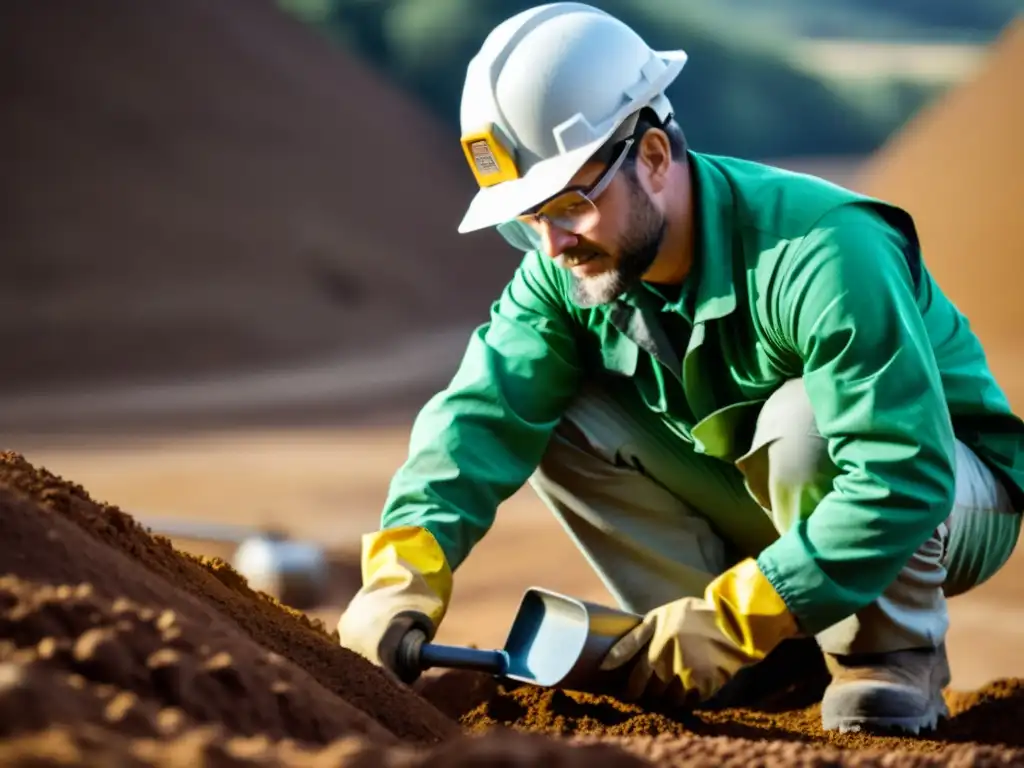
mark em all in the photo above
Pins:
pixel 415 654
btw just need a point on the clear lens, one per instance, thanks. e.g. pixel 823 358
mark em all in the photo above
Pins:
pixel 520 235
pixel 572 211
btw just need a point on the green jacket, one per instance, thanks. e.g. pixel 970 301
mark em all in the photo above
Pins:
pixel 793 277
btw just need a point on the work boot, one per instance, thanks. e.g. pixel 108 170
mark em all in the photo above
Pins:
pixel 885 691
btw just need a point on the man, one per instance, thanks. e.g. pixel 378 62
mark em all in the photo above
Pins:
pixel 739 390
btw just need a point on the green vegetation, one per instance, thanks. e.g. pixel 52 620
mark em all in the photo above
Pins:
pixel 740 93
pixel 904 20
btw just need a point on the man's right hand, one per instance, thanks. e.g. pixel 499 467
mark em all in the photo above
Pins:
pixel 406 585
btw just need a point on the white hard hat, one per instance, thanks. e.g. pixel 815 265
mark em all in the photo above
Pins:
pixel 547 89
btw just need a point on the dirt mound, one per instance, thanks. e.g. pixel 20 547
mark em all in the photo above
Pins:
pixel 195 187
pixel 116 649
pixel 54 547
pixel 958 167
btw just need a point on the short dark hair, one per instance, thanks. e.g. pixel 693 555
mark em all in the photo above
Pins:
pixel 649 119
pixel 646 119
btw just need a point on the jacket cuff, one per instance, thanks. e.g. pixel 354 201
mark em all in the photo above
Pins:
pixel 410 559
pixel 812 596
pixel 749 611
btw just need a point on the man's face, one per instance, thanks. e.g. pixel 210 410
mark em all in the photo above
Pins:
pixel 610 255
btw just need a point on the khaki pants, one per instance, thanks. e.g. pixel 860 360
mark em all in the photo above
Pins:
pixel 658 521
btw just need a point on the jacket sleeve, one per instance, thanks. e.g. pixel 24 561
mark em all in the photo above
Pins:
pixel 477 441
pixel 846 307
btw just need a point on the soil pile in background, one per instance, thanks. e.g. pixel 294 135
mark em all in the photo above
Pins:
pixel 958 168
pixel 197 187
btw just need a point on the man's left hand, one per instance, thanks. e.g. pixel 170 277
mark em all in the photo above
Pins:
pixel 686 650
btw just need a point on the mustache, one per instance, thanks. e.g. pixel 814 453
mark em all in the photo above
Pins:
pixel 579 255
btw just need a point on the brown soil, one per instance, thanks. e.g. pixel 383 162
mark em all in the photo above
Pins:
pixel 986 716
pixel 116 649
pixel 190 614
pixel 763 709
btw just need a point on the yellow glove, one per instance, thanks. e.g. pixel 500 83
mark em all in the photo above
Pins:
pixel 406 583
pixel 694 645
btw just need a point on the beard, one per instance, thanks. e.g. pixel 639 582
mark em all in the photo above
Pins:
pixel 638 248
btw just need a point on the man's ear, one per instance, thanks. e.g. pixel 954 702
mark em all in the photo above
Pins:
pixel 655 155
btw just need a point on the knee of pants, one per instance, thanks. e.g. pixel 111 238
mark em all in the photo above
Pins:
pixel 788 461
pixel 585 445
pixel 570 457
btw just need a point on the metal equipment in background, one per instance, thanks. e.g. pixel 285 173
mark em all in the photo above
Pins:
pixel 297 573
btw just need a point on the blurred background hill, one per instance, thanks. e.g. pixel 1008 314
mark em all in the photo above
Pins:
pixel 192 188
pixel 253 202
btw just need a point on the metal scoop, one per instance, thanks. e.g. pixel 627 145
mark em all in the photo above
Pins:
pixel 555 641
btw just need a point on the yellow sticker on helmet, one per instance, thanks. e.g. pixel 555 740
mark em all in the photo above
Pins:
pixel 488 157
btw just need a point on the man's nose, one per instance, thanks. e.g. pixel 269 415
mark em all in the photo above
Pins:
pixel 555 241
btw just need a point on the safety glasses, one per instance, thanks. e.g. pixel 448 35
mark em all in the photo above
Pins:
pixel 573 210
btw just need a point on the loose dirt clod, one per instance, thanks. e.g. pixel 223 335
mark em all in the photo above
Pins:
pixel 116 649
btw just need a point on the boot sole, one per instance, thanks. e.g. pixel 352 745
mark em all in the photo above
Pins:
pixel 857 724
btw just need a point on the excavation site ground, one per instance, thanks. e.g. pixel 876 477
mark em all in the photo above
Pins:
pixel 116 648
